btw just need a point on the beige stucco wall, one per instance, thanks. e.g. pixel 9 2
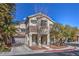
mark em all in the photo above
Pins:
pixel 22 26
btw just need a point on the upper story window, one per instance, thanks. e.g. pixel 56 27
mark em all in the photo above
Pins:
pixel 51 24
pixel 33 21
pixel 43 22
pixel 23 30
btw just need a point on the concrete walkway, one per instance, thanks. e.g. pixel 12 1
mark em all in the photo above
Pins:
pixel 47 47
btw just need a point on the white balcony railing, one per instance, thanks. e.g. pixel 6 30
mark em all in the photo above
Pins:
pixel 43 31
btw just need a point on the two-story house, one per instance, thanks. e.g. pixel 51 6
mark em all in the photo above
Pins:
pixel 38 28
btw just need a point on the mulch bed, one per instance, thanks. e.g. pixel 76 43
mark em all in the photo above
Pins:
pixel 59 47
pixel 37 48
pixel 55 51
pixel 66 50
pixel 56 47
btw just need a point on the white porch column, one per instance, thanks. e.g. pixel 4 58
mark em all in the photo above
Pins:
pixel 30 39
pixel 39 40
pixel 48 35
pixel 48 39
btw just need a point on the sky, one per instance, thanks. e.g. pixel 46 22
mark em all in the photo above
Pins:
pixel 63 13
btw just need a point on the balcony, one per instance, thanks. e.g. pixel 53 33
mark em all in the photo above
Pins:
pixel 43 31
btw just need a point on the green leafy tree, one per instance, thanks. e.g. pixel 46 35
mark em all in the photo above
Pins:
pixel 62 33
pixel 7 28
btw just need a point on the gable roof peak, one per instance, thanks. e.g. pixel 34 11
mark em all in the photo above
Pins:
pixel 40 13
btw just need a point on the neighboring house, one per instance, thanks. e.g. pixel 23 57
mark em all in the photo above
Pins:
pixel 21 29
pixel 38 28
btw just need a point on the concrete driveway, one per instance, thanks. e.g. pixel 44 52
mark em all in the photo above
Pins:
pixel 18 48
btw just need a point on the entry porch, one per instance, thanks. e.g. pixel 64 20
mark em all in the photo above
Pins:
pixel 35 39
